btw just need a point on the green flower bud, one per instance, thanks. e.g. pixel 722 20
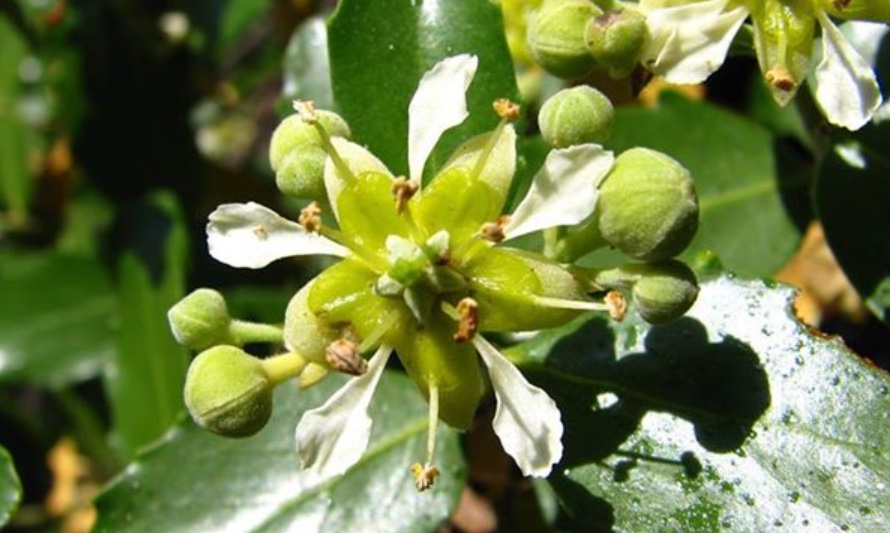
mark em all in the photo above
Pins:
pixel 556 37
pixel 661 291
pixel 228 392
pixel 200 320
pixel 664 292
pixel 873 10
pixel 615 40
pixel 576 116
pixel 647 205
pixel 296 154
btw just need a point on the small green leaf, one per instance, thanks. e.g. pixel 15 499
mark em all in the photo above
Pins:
pixel 15 180
pixel 56 315
pixel 145 379
pixel 379 51
pixel 734 418
pixel 193 481
pixel 852 190
pixel 10 487
pixel 736 176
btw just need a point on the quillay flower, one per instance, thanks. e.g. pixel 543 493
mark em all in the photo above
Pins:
pixel 688 41
pixel 424 272
pixel 685 41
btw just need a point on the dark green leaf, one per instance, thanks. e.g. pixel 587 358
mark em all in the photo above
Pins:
pixel 10 487
pixel 379 51
pixel 146 377
pixel 14 135
pixel 56 316
pixel 734 418
pixel 740 188
pixel 193 481
pixel 852 194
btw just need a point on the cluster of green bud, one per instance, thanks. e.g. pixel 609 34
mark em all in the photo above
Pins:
pixel 647 208
pixel 297 153
pixel 661 292
pixel 228 391
pixel 570 38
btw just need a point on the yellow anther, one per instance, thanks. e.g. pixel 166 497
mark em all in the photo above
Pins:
pixel 506 110
pixel 780 78
pixel 260 232
pixel 310 218
pixel 424 476
pixel 468 310
pixel 306 110
pixel 616 304
pixel 343 356
pixel 494 231
pixel 403 189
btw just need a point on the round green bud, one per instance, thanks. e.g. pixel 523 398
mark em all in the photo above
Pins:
pixel 576 116
pixel 615 40
pixel 647 205
pixel 556 37
pixel 296 154
pixel 200 320
pixel 664 292
pixel 228 392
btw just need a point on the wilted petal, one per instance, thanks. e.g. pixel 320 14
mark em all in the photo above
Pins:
pixel 438 104
pixel 252 236
pixel 688 42
pixel 357 160
pixel 845 85
pixel 333 437
pixel 564 191
pixel 527 420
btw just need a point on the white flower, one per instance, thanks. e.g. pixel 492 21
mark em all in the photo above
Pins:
pixel 333 437
pixel 688 42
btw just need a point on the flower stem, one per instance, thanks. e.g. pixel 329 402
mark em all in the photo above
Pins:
pixel 282 367
pixel 433 424
pixel 243 332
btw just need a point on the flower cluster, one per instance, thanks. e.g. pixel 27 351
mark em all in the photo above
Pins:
pixel 685 41
pixel 423 272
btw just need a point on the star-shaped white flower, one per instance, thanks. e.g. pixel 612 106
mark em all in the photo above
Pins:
pixel 333 437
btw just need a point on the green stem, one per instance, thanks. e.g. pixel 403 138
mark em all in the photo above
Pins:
pixel 243 332
pixel 281 368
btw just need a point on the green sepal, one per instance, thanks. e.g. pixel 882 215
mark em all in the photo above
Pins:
pixel 457 203
pixel 344 294
pixel 432 357
pixel 783 38
pixel 367 212
pixel 506 284
pixel 871 10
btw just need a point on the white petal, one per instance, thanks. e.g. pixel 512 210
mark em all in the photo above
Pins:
pixel 357 159
pixel 688 42
pixel 252 236
pixel 333 437
pixel 564 191
pixel 526 421
pixel 438 104
pixel 845 84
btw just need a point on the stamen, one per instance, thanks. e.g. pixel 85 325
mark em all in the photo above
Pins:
pixel 494 231
pixel 343 356
pixel 306 110
pixel 468 323
pixel 403 189
pixel 425 475
pixel 560 303
pixel 310 218
pixel 506 109
pixel 840 4
pixel 616 304
pixel 779 77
